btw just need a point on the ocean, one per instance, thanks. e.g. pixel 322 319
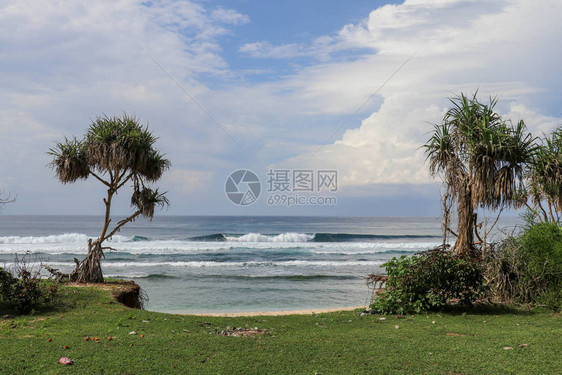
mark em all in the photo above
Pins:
pixel 214 264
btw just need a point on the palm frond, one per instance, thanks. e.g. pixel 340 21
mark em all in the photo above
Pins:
pixel 122 143
pixel 146 200
pixel 69 160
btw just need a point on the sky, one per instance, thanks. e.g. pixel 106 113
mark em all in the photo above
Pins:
pixel 290 90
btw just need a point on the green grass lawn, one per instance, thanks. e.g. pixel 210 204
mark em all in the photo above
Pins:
pixel 332 343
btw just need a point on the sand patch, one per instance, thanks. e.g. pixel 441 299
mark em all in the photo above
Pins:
pixel 279 313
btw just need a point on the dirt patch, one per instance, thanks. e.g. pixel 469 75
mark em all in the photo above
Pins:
pixel 129 294
pixel 238 332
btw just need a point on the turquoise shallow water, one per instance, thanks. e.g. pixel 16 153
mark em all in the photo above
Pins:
pixel 201 264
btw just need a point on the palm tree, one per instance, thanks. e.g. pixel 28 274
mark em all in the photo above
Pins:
pixel 481 158
pixel 114 151
pixel 545 178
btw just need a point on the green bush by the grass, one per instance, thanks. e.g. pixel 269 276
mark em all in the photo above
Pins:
pixel 336 343
pixel 428 281
pixel 26 292
pixel 529 266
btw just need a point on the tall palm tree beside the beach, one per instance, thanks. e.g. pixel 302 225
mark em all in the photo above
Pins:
pixel 115 151
pixel 481 158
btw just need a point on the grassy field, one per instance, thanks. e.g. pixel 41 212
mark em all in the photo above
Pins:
pixel 331 343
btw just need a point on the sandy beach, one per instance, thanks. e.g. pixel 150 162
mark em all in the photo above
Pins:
pixel 279 313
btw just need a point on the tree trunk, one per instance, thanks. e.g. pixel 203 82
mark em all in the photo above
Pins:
pixel 89 270
pixel 465 227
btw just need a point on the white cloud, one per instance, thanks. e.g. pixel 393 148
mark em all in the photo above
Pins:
pixel 186 181
pixel 541 123
pixel 229 16
pixel 266 49
pixel 63 63
pixel 458 46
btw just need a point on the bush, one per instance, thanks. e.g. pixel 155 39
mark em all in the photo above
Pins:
pixel 528 268
pixel 428 281
pixel 28 291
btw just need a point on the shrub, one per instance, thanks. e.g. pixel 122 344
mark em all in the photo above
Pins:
pixel 428 281
pixel 27 291
pixel 528 268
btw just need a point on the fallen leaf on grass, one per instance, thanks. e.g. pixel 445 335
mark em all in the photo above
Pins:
pixel 523 345
pixel 507 348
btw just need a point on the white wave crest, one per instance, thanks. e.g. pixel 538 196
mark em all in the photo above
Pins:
pixel 200 264
pixel 54 238
pixel 162 247
pixel 65 238
pixel 283 237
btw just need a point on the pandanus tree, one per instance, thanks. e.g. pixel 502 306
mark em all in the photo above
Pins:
pixel 545 178
pixel 482 159
pixel 116 151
